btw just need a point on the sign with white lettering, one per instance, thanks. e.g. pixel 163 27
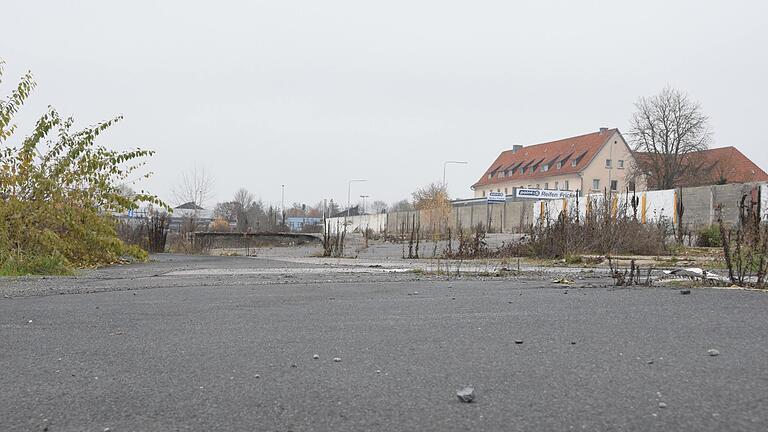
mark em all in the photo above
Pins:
pixel 496 197
pixel 540 194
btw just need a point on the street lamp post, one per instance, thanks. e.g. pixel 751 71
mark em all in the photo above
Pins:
pixel 445 164
pixel 363 197
pixel 282 203
pixel 349 192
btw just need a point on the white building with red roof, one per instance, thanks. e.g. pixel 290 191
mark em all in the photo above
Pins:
pixel 588 163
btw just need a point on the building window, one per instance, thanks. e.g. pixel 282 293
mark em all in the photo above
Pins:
pixel 483 193
pixel 538 185
pixel 544 168
pixel 505 191
pixel 559 164
pixel 529 186
pixel 490 176
pixel 614 185
pixel 608 163
pixel 567 187
pixel 596 184
pixel 546 185
pixel 557 185
pixel 621 163
pixel 574 162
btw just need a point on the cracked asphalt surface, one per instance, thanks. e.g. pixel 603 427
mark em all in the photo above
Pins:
pixel 132 348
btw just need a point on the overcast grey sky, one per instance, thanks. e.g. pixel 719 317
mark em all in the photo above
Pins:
pixel 314 93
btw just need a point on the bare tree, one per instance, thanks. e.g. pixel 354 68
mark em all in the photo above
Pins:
pixel 378 206
pixel 242 201
pixel 225 210
pixel 244 198
pixel 196 186
pixel 402 205
pixel 667 131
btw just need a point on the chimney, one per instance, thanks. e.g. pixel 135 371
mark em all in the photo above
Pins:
pixel 603 130
pixel 516 148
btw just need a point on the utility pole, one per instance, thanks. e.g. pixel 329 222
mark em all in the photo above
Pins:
pixel 349 192
pixel 282 203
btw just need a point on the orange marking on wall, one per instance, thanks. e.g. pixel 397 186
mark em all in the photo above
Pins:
pixel 674 209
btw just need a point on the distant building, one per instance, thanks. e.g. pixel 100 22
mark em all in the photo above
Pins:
pixel 303 223
pixel 190 209
pixel 190 212
pixel 710 167
pixel 353 211
pixel 587 163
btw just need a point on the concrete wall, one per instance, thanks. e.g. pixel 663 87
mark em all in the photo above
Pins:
pixel 698 204
pixel 700 210
pixel 729 197
pixel 376 222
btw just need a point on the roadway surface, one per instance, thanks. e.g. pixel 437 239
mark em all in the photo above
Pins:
pixel 158 349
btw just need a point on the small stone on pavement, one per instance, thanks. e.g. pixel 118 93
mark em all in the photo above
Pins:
pixel 336 359
pixel 713 352
pixel 316 357
pixel 467 394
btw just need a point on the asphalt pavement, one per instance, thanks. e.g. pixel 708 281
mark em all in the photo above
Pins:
pixel 179 350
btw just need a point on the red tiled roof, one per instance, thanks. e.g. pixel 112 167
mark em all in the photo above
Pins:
pixel 583 148
pixel 716 166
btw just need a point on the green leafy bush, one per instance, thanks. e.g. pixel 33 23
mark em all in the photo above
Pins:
pixel 58 192
pixel 49 265
pixel 709 237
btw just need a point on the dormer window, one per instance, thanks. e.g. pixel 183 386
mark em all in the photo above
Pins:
pixel 544 168
pixel 574 163
pixel 559 164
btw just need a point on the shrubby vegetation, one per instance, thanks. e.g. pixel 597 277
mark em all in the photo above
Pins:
pixel 58 192
pixel 745 246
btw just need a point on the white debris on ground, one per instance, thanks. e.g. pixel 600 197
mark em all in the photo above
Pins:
pixel 696 273
pixel 563 281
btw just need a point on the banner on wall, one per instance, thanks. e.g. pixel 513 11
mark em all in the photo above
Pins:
pixel 496 197
pixel 544 194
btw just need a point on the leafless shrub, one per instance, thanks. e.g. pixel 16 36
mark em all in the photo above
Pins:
pixel 415 239
pixel 333 244
pixel 471 244
pixel 606 229
pixel 149 233
pixel 630 276
pixel 745 245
